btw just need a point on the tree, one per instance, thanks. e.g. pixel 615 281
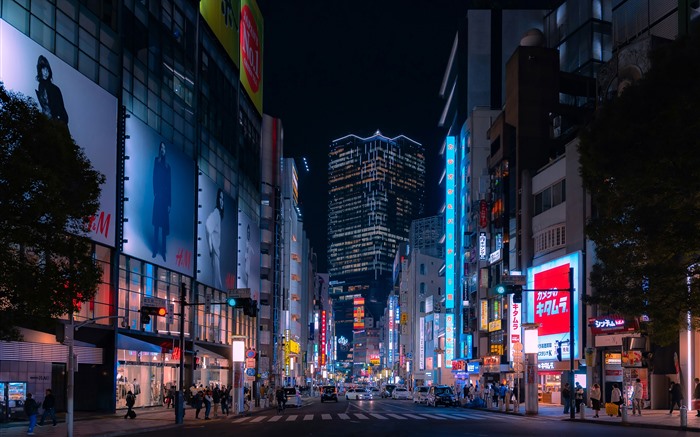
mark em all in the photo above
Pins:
pixel 639 161
pixel 48 190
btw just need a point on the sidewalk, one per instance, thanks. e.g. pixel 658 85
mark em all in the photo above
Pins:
pixel 657 419
pixel 112 425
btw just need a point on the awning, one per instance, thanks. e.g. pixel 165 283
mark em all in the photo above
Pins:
pixel 133 344
pixel 204 352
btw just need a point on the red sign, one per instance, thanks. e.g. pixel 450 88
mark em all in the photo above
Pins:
pixel 459 365
pixel 483 214
pixel 250 48
pixel 552 307
pixel 322 346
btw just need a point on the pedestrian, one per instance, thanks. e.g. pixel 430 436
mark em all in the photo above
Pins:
pixel 207 404
pixel 637 394
pixel 130 401
pixel 578 393
pixel 502 394
pixel 49 406
pixel 696 396
pixel 616 398
pixel 216 397
pixel 224 400
pixel 198 402
pixel 30 409
pixel 595 399
pixel 281 399
pixel 566 396
pixel 676 396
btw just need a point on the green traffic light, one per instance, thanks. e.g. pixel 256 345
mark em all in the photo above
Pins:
pixel 500 289
pixel 231 301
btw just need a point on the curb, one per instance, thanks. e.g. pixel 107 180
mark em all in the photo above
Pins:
pixel 638 425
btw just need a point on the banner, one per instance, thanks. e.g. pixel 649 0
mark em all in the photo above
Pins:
pixel 252 52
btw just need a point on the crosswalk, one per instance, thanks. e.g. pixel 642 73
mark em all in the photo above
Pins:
pixel 367 416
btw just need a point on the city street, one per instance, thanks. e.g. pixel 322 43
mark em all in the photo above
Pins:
pixel 376 417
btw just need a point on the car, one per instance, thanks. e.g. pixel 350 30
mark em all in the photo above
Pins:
pixel 358 394
pixel 420 394
pixel 387 390
pixel 293 396
pixel 374 390
pixel 329 393
pixel 401 393
pixel 441 395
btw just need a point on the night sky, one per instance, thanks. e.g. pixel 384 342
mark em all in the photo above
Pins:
pixel 336 67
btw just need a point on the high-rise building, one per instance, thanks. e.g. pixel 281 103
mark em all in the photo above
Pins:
pixel 376 188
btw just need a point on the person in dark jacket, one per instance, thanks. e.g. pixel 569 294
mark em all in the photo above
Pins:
pixel 130 401
pixel 49 406
pixel 198 400
pixel 30 409
pixel 566 396
pixel 676 396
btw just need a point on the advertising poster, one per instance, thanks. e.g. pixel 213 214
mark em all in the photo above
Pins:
pixel 216 236
pixel 550 307
pixel 248 255
pixel 64 94
pixel 251 39
pixel 222 18
pixel 159 200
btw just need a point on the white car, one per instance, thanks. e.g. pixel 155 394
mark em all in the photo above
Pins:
pixel 420 395
pixel 357 394
pixel 401 393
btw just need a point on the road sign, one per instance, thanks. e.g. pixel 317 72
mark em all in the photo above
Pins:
pixel 514 279
pixel 250 362
pixel 250 372
pixel 239 293
pixel 171 314
pixel 153 302
pixel 250 353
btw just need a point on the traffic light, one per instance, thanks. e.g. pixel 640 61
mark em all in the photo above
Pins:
pixel 231 301
pixel 515 290
pixel 250 307
pixel 148 311
pixel 502 288
pixel 517 294
pixel 558 351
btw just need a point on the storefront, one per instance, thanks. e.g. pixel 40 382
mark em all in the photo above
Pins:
pixel 213 369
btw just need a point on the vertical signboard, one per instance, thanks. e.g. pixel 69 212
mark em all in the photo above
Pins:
pixel 159 200
pixel 222 16
pixel 252 52
pixel 484 315
pixel 323 338
pixel 550 307
pixel 421 344
pixel 449 339
pixel 358 314
pixel 65 95
pixel 515 318
pixel 248 255
pixel 450 204
pixel 216 236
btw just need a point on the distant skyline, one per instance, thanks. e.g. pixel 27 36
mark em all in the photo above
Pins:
pixel 334 68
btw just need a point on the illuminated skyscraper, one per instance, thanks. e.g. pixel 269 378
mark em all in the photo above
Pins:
pixel 376 188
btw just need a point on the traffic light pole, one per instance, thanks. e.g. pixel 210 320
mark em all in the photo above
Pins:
pixel 180 412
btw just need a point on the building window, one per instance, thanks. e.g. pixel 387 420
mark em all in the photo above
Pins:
pixel 550 239
pixel 550 197
pixel 422 269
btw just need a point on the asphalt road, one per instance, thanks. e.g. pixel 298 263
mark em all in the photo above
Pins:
pixel 386 417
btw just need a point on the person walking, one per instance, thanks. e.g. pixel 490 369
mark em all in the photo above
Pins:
pixel 696 397
pixel 216 397
pixel 224 401
pixel 566 396
pixel 49 406
pixel 30 409
pixel 579 397
pixel 130 401
pixel 676 396
pixel 198 402
pixel 637 395
pixel 207 404
pixel 595 399
pixel 281 399
pixel 616 398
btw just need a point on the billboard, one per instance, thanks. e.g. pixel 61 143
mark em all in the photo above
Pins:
pixel 64 94
pixel 358 314
pixel 222 17
pixel 251 37
pixel 158 200
pixel 550 307
pixel 248 255
pixel 216 236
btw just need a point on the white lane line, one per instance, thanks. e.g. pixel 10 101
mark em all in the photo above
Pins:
pixel 464 416
pixel 326 417
pixel 343 416
pixel 396 416
pixel 378 416
pixel 309 417
pixel 433 416
pixel 291 418
pixel 446 416
pixel 413 416
pixel 242 419
pixel 258 419
pixel 361 416
pixel 275 418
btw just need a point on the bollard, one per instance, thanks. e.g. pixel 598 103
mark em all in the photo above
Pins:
pixel 623 412
pixel 684 416
pixel 582 411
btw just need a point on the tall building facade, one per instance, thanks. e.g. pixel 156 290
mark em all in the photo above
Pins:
pixel 376 188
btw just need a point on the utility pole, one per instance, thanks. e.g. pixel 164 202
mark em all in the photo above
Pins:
pixel 70 364
pixel 180 413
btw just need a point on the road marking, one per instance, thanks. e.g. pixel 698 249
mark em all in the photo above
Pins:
pixel 413 416
pixel 396 416
pixel 464 416
pixel 378 416
pixel 309 417
pixel 344 416
pixel 275 418
pixel 433 416
pixel 242 419
pixel 361 416
pixel 326 417
pixel 446 416
pixel 291 418
pixel 258 419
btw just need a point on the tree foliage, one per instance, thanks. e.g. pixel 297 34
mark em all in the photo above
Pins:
pixel 639 160
pixel 48 191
